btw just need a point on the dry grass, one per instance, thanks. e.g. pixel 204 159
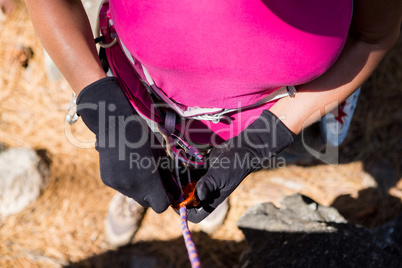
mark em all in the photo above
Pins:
pixel 65 225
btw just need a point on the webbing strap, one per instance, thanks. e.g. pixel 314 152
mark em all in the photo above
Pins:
pixel 170 121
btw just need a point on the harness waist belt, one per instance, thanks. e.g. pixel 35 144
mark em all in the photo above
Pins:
pixel 200 113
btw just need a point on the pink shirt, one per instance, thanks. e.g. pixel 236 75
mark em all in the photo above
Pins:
pixel 225 53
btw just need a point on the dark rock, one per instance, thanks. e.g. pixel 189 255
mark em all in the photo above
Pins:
pixel 303 233
pixel 391 231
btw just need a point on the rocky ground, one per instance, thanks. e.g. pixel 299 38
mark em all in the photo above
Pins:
pixel 303 233
pixel 64 226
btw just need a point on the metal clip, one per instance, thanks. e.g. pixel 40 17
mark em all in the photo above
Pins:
pixel 191 150
pixel 173 140
pixel 291 91
pixel 72 115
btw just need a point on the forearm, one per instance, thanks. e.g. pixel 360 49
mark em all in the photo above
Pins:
pixel 65 33
pixel 314 99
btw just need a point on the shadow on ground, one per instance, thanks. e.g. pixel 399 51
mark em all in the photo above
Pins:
pixel 372 207
pixel 347 247
pixel 171 253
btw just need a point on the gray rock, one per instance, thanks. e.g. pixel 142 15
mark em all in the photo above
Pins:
pixel 23 176
pixel 303 233
pixel 297 214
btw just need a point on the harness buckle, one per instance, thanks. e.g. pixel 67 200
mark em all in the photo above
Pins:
pixel 192 158
pixel 98 38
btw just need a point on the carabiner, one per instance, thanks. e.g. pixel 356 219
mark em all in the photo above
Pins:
pixel 98 30
pixel 173 140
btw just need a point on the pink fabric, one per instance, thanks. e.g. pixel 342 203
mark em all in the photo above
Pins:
pixel 229 53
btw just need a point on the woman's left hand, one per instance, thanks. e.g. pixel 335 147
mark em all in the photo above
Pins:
pixel 232 161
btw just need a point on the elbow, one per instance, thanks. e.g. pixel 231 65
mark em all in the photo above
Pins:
pixel 390 40
pixel 379 39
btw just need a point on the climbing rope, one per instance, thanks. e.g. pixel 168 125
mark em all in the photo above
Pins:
pixel 187 199
pixel 188 240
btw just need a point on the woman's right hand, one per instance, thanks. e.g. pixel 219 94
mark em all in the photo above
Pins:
pixel 127 161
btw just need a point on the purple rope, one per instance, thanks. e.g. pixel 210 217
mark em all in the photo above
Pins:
pixel 188 240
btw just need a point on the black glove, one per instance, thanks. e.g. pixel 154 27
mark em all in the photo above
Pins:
pixel 232 161
pixel 127 161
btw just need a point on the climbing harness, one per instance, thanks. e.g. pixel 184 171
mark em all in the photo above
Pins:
pixel 209 114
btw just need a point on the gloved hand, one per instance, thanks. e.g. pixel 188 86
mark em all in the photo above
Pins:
pixel 232 161
pixel 127 162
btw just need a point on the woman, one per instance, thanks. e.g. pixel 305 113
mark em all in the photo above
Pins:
pixel 215 54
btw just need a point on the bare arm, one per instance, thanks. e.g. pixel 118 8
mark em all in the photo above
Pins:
pixel 65 32
pixel 375 29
